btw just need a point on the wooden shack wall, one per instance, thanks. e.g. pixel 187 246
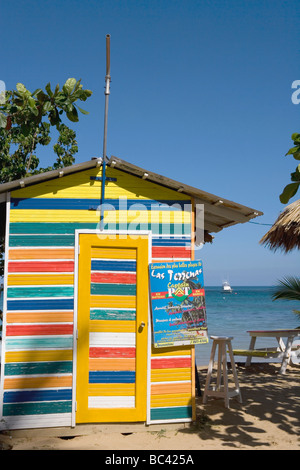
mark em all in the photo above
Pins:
pixel 37 366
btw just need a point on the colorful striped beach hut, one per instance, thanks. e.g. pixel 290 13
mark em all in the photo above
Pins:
pixel 76 345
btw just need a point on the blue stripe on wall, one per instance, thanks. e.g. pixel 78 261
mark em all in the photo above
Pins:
pixel 93 204
pixel 41 304
pixel 112 377
pixel 22 396
pixel 108 265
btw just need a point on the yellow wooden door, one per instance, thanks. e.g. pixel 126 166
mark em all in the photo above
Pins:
pixel 112 328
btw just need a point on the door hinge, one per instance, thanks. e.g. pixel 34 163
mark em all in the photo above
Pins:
pixel 76 334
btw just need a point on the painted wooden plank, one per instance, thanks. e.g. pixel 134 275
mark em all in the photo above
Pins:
pixel 40 266
pixel 112 314
pixel 113 265
pixel 40 291
pixel 111 339
pixel 62 253
pixel 113 289
pixel 69 228
pixel 113 277
pixel 40 317
pixel 178 387
pixel 111 364
pixel 27 279
pixel 172 413
pixel 108 352
pixel 111 402
pixel 37 408
pixel 42 342
pixel 38 304
pixel 112 326
pixel 51 228
pixel 111 389
pixel 176 252
pixel 171 351
pixel 41 240
pixel 111 377
pixel 113 253
pixel 37 382
pixel 89 204
pixel 111 301
pixel 131 217
pixel 22 396
pixel 39 355
pixel 168 363
pixel 31 330
pixel 166 375
pixel 180 399
pixel 171 242
pixel 38 368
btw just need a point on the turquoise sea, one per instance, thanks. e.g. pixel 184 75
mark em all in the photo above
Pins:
pixel 247 308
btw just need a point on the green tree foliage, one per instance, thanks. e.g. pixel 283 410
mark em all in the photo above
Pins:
pixel 25 122
pixel 291 189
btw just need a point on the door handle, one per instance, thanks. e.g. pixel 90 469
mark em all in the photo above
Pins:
pixel 142 325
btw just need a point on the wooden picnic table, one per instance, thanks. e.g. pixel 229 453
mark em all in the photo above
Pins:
pixel 282 351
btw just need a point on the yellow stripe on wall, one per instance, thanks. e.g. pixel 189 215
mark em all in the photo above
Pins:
pixel 112 253
pixel 37 356
pixel 127 301
pixel 95 390
pixel 38 253
pixel 79 185
pixel 166 375
pixel 111 217
pixel 180 399
pixel 112 326
pixel 40 279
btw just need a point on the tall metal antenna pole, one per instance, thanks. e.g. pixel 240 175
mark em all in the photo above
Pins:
pixel 107 81
pixel 107 91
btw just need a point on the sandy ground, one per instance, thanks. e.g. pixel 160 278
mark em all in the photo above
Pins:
pixel 268 419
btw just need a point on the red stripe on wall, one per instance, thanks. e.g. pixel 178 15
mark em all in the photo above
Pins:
pixel 117 278
pixel 171 363
pixel 41 266
pixel 112 352
pixel 25 330
pixel 170 252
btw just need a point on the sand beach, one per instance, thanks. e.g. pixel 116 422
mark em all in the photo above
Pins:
pixel 268 419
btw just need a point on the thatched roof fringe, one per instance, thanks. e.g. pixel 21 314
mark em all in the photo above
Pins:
pixel 285 233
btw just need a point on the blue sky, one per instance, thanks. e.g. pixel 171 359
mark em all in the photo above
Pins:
pixel 201 92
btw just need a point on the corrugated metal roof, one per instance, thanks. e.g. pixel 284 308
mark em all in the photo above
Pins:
pixel 219 212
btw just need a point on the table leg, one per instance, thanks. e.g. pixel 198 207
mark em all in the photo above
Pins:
pixel 286 355
pixel 252 344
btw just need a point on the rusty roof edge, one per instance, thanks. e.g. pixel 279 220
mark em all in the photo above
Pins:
pixel 48 175
pixel 203 196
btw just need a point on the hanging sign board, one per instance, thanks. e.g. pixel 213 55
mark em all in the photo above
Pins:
pixel 178 303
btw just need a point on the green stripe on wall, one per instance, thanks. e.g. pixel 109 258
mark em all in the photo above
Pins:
pixel 48 291
pixel 37 408
pixel 41 240
pixel 176 412
pixel 113 289
pixel 69 228
pixel 107 314
pixel 38 368
pixel 59 342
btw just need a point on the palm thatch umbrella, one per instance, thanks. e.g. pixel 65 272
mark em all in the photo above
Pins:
pixel 285 232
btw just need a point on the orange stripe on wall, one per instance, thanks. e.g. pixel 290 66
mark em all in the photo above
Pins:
pixel 65 253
